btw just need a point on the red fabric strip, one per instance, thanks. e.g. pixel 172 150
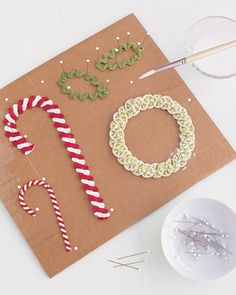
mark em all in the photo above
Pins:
pixel 20 110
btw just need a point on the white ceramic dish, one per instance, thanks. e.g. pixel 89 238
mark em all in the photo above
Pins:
pixel 207 267
pixel 210 32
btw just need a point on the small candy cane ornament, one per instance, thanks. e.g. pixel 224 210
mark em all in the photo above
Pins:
pixel 57 210
pixel 68 139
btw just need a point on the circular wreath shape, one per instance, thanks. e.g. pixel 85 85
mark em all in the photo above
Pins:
pixel 133 107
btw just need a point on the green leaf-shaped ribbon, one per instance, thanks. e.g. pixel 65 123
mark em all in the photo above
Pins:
pixel 103 63
pixel 101 91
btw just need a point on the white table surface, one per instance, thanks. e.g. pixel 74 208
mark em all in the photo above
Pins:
pixel 31 32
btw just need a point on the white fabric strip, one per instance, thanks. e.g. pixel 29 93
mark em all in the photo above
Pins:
pixel 102 215
pixel 72 150
pixel 98 204
pixel 46 103
pixel 59 120
pixel 55 111
pixel 68 139
pixel 15 109
pixel 15 138
pixel 65 130
pixel 85 172
pixel 36 100
pixel 88 182
pixel 22 145
pixel 10 119
pixel 9 129
pixel 25 103
pixel 79 161
pixel 92 193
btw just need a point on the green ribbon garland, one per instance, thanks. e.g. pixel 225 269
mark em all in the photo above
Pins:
pixel 101 91
pixel 103 63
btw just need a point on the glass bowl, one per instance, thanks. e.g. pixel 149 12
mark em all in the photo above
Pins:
pixel 209 32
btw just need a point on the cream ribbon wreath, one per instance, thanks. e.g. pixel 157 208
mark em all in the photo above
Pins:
pixel 133 107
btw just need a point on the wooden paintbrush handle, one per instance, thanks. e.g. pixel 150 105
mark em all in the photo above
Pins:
pixel 210 51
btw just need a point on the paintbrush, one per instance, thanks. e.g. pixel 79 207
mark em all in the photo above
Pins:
pixel 190 58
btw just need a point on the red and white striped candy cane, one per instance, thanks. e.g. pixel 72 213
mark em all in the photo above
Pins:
pixel 57 210
pixel 68 139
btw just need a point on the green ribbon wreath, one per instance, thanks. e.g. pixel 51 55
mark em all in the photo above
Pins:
pixel 103 63
pixel 101 91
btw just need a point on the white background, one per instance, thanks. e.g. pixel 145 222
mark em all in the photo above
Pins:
pixel 31 32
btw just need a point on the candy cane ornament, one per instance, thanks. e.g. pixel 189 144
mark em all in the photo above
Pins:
pixel 56 207
pixel 68 139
